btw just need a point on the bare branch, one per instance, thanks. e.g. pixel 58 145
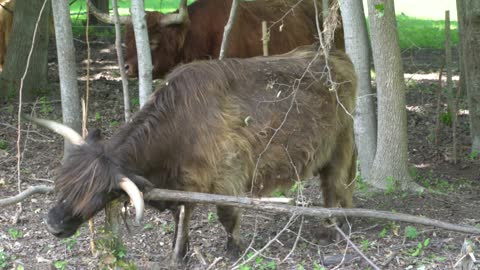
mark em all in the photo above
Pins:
pixel 25 194
pixel 228 29
pixel 252 203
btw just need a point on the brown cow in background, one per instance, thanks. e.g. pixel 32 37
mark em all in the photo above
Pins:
pixel 6 21
pixel 232 127
pixel 196 31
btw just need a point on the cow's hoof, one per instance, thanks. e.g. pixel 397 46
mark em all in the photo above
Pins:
pixel 235 248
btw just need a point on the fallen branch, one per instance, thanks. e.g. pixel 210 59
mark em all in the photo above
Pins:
pixel 257 204
pixel 24 194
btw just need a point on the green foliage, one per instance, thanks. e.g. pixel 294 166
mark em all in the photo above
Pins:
pixel 421 33
pixel 3 259
pixel 383 232
pixel 391 185
pixel 212 217
pixel 420 246
pixel 168 227
pixel 98 117
pixel 60 265
pixel 71 241
pixel 258 263
pixel 446 118
pixel 114 123
pixel 3 144
pixel 380 8
pixel 135 101
pixel 297 186
pixel 277 193
pixel 14 233
pixel 316 266
pixel 473 155
pixel 148 226
pixel 411 232
pixel 365 244
pixel 45 107
pixel 113 251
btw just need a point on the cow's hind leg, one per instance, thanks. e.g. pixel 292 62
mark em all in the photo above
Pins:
pixel 230 219
pixel 338 181
pixel 180 237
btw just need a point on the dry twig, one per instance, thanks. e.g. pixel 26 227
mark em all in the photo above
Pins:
pixel 25 194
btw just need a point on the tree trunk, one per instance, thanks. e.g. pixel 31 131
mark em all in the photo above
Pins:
pixel 143 51
pixel 390 169
pixel 24 24
pixel 469 20
pixel 357 47
pixel 67 68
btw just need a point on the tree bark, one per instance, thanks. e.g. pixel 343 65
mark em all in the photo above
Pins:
pixel 357 47
pixel 390 169
pixel 228 29
pixel 71 111
pixel 469 20
pixel 143 51
pixel 24 26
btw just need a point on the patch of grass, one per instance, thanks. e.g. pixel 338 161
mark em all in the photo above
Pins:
pixel 14 233
pixel 60 265
pixel 411 232
pixel 3 259
pixel 422 33
pixel 391 185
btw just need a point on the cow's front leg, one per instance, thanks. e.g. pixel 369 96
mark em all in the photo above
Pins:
pixel 230 219
pixel 182 216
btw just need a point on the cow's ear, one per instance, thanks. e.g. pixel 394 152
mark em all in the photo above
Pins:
pixel 94 135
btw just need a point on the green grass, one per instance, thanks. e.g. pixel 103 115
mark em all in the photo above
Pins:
pixel 417 27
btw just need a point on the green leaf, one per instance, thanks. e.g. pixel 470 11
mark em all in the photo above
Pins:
pixel 411 232
pixel 380 8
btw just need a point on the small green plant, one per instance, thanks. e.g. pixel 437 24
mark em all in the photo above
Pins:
pixel 300 267
pixel 297 186
pixel 114 123
pixel 212 217
pixel 14 233
pixel 361 185
pixel 60 264
pixel 45 106
pixel 3 145
pixel 278 193
pixel 365 244
pixel 446 118
pixel 411 232
pixel 391 185
pixel 168 227
pixel 420 247
pixel 98 117
pixel 148 226
pixel 244 267
pixel 71 241
pixel 473 155
pixel 135 101
pixel 383 232
pixel 3 259
pixel 316 266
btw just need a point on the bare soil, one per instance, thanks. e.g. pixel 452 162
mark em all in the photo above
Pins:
pixel 387 244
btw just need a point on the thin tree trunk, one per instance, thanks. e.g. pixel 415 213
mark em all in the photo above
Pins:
pixel 143 51
pixel 469 18
pixel 357 47
pixel 102 5
pixel 24 24
pixel 390 169
pixel 121 62
pixel 228 29
pixel 67 68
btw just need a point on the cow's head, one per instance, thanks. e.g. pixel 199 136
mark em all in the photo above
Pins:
pixel 166 34
pixel 87 181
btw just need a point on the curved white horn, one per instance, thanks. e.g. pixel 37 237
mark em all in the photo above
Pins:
pixel 64 130
pixel 134 193
pixel 176 18
pixel 105 17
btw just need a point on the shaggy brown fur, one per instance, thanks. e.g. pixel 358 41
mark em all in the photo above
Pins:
pixel 201 38
pixel 239 126
pixel 6 19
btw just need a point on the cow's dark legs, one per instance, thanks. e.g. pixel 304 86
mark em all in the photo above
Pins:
pixel 180 237
pixel 230 219
pixel 338 180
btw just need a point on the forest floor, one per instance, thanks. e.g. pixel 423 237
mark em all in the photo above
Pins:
pixel 390 245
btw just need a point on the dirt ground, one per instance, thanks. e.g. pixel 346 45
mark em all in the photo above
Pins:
pixel 292 244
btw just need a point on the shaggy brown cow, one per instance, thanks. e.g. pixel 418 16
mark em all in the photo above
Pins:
pixel 238 126
pixel 196 31
pixel 6 20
